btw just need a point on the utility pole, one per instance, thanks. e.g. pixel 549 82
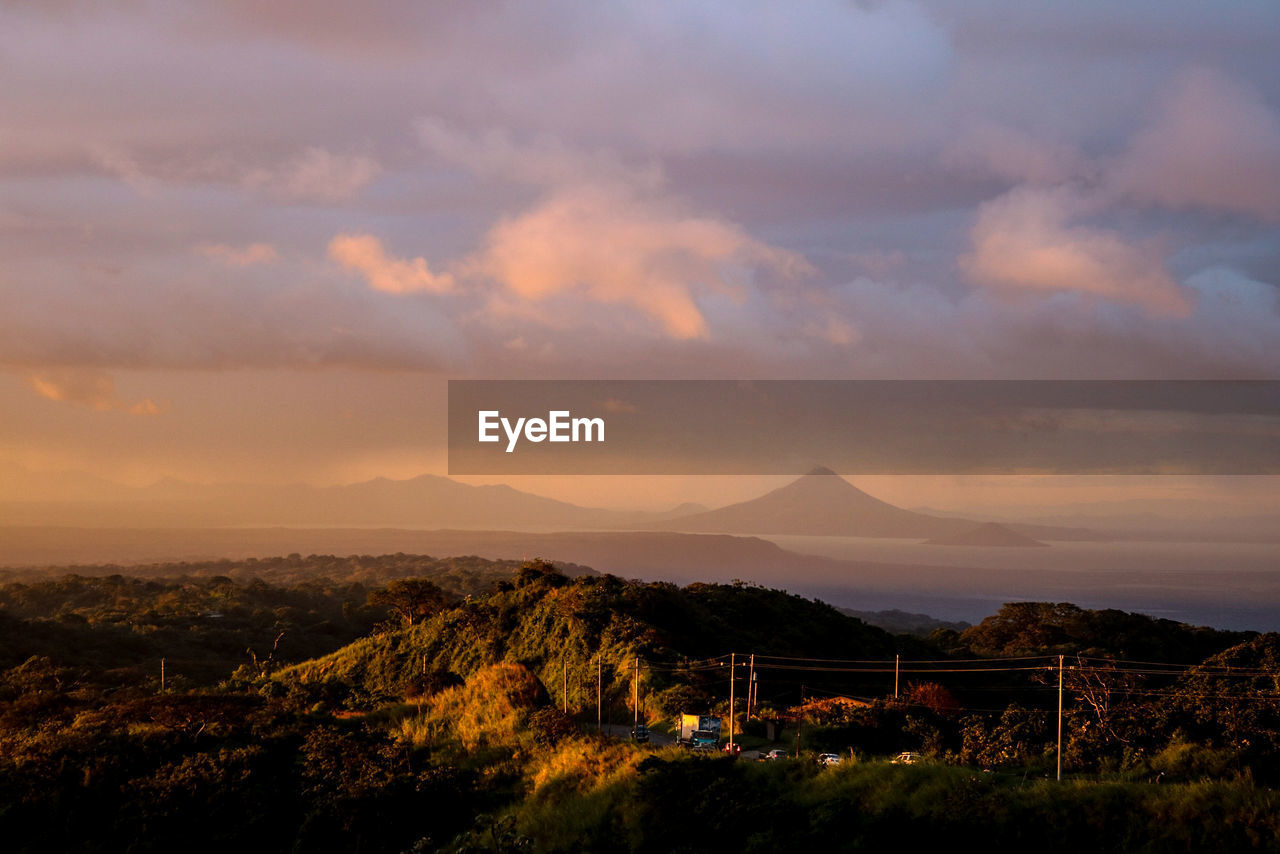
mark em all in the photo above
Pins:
pixel 732 660
pixel 1060 718
pixel 751 685
pixel 423 692
pixel 565 671
pixel 635 698
pixel 162 676
pixel 599 693
pixel 799 720
pixel 897 661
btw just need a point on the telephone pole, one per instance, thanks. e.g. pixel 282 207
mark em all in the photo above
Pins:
pixel 897 660
pixel 751 685
pixel 162 676
pixel 732 659
pixel 1060 718
pixel 635 698
pixel 565 671
pixel 599 693
pixel 799 720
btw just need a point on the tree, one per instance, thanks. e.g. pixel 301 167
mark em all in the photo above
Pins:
pixel 413 599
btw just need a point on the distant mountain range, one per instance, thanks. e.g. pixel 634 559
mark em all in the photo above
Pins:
pixel 821 503
pixel 425 502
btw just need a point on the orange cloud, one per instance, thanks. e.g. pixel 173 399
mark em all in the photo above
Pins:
pixel 605 232
pixel 611 244
pixel 364 254
pixel 1025 241
pixel 92 389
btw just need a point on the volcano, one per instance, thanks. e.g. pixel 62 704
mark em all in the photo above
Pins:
pixel 821 503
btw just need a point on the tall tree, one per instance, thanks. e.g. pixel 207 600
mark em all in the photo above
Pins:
pixel 413 599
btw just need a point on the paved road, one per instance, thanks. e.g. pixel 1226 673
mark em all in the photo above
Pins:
pixel 623 731
pixel 658 739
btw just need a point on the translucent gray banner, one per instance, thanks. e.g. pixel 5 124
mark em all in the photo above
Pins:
pixel 863 427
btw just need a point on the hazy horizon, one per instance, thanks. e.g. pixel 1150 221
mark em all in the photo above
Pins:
pixel 1009 496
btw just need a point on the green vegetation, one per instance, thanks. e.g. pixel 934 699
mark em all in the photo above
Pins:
pixel 1033 628
pixel 560 628
pixel 460 576
pixel 793 806
pixel 428 714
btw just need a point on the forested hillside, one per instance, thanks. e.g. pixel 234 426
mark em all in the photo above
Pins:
pixel 467 709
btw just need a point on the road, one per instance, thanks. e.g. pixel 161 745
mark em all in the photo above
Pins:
pixel 659 739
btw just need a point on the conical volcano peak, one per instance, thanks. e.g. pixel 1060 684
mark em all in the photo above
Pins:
pixel 821 503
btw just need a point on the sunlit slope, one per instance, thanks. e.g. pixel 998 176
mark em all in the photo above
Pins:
pixel 547 622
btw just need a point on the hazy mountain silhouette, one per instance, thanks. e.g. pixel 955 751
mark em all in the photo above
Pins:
pixel 821 503
pixel 428 501
pixel 988 534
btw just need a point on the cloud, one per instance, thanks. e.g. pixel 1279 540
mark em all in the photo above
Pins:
pixel 614 245
pixel 1012 154
pixel 240 256
pixel 863 135
pixel 543 161
pixel 93 389
pixel 1213 144
pixel 364 254
pixel 176 311
pixel 125 167
pixel 315 175
pixel 1025 242
pixel 604 231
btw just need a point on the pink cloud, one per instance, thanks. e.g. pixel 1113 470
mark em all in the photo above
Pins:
pixel 611 244
pixel 1213 144
pixel 364 254
pixel 1025 242
pixel 1012 154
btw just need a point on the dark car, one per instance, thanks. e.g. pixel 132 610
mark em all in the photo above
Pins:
pixel 640 733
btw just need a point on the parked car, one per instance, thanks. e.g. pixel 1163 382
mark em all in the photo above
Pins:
pixel 776 753
pixel 733 748
pixel 828 759
pixel 906 758
pixel 641 733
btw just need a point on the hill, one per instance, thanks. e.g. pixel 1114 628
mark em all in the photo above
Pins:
pixel 1033 628
pixel 207 619
pixel 559 627
pixel 901 622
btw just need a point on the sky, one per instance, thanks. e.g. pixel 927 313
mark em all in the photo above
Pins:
pixel 249 241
